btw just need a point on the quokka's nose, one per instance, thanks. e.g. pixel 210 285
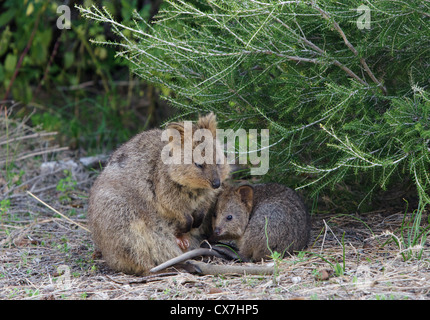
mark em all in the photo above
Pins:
pixel 216 184
pixel 217 231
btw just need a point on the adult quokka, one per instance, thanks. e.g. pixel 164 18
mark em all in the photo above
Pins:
pixel 141 209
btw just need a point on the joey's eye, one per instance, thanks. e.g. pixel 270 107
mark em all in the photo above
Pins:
pixel 198 165
pixel 229 217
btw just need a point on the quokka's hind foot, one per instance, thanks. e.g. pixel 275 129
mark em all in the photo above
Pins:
pixel 182 242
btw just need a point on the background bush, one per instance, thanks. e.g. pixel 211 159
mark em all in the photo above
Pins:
pixel 347 108
pixel 73 87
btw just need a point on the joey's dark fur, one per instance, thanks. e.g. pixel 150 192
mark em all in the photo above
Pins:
pixel 241 215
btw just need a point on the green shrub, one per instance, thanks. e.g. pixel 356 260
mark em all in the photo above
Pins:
pixel 74 87
pixel 344 105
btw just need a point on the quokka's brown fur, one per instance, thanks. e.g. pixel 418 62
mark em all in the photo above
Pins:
pixel 140 206
pixel 253 218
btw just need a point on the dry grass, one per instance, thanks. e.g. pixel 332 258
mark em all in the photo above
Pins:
pixel 37 245
pixel 34 251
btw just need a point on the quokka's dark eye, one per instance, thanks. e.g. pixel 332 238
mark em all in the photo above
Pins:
pixel 198 165
pixel 229 217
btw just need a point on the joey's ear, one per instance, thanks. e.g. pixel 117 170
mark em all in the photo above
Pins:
pixel 246 193
pixel 208 122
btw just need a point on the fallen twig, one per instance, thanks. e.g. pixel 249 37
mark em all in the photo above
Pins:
pixel 58 212
pixel 146 279
pixel 37 153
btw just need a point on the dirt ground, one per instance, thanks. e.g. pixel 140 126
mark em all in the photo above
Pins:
pixel 45 256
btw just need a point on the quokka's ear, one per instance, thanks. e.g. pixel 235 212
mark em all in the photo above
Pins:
pixel 208 122
pixel 246 193
pixel 179 126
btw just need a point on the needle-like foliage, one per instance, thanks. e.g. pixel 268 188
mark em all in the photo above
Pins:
pixel 340 100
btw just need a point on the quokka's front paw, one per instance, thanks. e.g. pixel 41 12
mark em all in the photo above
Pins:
pixel 198 216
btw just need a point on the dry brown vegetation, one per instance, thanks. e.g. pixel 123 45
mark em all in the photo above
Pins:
pixel 45 256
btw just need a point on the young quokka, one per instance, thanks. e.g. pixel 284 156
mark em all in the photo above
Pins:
pixel 256 218
pixel 141 209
